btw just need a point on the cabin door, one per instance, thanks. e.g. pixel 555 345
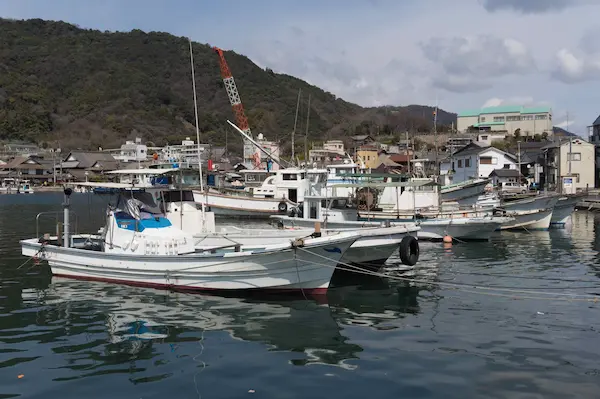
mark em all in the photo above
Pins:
pixel 293 195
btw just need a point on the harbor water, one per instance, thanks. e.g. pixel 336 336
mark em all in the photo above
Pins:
pixel 469 320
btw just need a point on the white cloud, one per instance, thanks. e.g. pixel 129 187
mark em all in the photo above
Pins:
pixel 565 124
pixel 526 101
pixel 471 63
pixel 571 68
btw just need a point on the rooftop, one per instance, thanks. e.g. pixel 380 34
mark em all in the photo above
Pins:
pixel 505 173
pixel 507 109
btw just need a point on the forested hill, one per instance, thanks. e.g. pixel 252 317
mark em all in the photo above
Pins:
pixel 88 89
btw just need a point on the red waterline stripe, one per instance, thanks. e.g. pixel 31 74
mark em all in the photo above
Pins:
pixel 185 288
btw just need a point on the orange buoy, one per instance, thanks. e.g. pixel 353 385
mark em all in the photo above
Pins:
pixel 447 239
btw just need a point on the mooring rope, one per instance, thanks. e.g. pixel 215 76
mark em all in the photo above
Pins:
pixel 464 286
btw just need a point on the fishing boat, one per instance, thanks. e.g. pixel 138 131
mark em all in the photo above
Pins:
pixel 564 208
pixel 529 213
pixel 466 193
pixel 336 213
pixel 277 193
pixel 371 249
pixel 139 246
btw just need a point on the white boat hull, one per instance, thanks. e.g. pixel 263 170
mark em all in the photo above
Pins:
pixel 461 229
pixel 373 247
pixel 308 269
pixel 530 213
pixel 537 220
pixel 563 210
pixel 466 194
pixel 238 205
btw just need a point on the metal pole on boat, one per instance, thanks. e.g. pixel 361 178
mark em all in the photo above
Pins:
pixel 66 226
pixel 197 129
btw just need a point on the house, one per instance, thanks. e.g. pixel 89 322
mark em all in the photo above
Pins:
pixel 501 176
pixel 361 140
pixel 30 167
pixel 385 164
pixel 528 120
pixel 570 165
pixel 473 161
pixel 330 150
pixel 456 143
pixel 369 154
pixel 77 163
pixel 594 134
pixel 487 138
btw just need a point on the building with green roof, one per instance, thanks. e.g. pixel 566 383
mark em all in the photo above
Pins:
pixel 507 118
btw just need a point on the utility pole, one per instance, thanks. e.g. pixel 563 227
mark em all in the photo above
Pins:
pixel 437 164
pixel 570 145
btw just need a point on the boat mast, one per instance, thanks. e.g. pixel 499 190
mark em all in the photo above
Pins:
pixel 197 129
pixel 196 114
pixel 295 122
pixel 306 133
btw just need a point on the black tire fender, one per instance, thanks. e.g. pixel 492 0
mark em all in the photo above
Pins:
pixel 282 207
pixel 409 250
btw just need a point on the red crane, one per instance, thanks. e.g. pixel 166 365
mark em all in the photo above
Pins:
pixel 232 93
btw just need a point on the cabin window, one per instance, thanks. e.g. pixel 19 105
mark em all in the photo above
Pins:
pixel 468 163
pixel 574 156
pixel 506 166
pixel 290 176
pixel 460 163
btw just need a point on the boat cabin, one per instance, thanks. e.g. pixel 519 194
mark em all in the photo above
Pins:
pixel 331 209
pixel 291 184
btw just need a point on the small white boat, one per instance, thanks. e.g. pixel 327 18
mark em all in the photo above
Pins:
pixel 466 193
pixel 139 246
pixel 276 195
pixel 534 213
pixel 373 247
pixel 334 213
pixel 25 188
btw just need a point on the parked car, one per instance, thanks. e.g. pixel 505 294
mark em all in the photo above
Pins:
pixel 514 188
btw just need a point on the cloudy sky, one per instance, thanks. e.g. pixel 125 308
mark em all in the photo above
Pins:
pixel 463 53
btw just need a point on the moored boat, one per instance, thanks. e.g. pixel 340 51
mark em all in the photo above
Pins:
pixel 564 208
pixel 139 246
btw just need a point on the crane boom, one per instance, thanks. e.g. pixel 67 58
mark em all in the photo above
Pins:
pixel 232 93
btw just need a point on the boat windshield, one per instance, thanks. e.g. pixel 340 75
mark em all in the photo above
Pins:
pixel 141 205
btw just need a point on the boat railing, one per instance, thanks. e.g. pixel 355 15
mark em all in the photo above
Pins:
pixel 58 215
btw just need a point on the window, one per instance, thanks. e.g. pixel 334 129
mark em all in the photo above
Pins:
pixel 541 117
pixel 453 165
pixel 513 118
pixel 527 117
pixel 484 138
pixel 468 163
pixel 485 160
pixel 460 163
pixel 506 166
pixel 498 119
pixel 482 119
pixel 574 156
pixel 289 176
